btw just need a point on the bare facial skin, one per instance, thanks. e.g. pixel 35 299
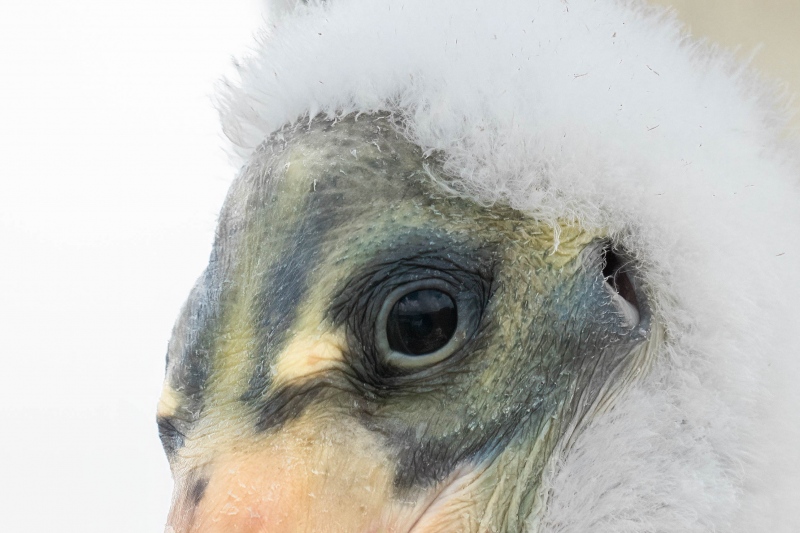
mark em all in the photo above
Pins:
pixel 367 354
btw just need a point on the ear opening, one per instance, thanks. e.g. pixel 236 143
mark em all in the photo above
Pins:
pixel 616 272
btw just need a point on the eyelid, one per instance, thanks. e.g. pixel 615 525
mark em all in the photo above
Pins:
pixel 468 273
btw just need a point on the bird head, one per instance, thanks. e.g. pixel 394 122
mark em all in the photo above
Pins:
pixel 366 352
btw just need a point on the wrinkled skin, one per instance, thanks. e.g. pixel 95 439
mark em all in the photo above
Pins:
pixel 282 410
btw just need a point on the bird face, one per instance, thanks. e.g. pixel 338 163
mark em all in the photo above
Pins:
pixel 366 352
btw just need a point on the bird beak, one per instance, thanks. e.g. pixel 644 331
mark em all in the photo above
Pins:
pixel 296 480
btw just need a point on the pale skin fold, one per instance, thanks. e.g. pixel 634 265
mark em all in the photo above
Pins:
pixel 282 410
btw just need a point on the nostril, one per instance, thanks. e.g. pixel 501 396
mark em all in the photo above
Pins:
pixel 619 283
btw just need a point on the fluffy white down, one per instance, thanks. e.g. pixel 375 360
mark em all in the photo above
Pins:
pixel 604 113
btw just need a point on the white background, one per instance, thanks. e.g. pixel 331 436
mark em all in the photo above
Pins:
pixel 112 171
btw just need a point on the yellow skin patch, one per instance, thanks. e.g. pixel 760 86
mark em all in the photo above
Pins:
pixel 169 402
pixel 330 458
pixel 308 355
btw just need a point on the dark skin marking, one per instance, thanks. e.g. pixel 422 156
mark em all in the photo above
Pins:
pixel 172 439
pixel 284 291
pixel 184 510
pixel 198 490
pixel 288 402
pixel 287 280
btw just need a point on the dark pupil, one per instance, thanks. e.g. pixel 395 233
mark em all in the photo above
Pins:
pixel 421 322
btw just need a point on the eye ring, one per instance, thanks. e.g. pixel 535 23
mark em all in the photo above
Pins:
pixel 467 309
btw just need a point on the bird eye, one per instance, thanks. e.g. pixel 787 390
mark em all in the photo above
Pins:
pixel 424 322
pixel 421 322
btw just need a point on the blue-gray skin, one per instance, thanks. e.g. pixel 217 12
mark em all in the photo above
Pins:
pixel 285 408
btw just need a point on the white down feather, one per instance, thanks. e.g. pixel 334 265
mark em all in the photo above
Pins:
pixel 604 113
